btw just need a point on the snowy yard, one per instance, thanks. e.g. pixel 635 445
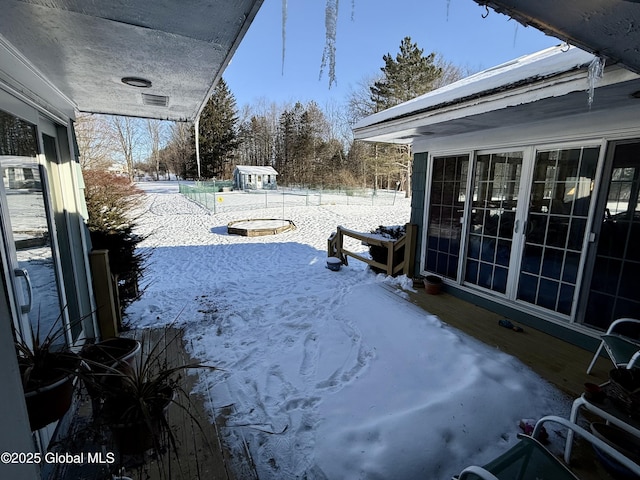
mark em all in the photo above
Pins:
pixel 331 374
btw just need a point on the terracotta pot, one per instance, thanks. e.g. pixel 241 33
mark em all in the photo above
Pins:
pixel 432 284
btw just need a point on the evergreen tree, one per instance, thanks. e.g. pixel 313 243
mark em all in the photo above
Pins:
pixel 218 132
pixel 303 156
pixel 287 161
pixel 407 76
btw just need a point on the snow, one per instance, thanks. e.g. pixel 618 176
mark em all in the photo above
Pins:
pixel 329 374
pixel 545 63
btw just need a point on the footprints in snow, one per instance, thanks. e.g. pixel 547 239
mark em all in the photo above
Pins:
pixel 318 351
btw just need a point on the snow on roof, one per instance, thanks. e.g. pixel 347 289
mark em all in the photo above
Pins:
pixel 253 170
pixel 545 63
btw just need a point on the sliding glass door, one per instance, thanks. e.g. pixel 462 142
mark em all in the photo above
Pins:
pixel 561 195
pixel 615 276
pixel 492 222
pixel 515 223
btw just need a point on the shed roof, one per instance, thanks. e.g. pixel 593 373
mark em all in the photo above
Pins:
pixel 254 170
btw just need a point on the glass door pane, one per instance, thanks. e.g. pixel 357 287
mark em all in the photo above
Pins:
pixel 615 281
pixel 561 193
pixel 446 209
pixel 493 214
pixel 29 222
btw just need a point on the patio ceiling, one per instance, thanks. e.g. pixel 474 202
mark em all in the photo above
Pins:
pixel 607 28
pixel 175 51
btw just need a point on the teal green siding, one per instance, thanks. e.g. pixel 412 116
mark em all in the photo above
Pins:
pixel 418 192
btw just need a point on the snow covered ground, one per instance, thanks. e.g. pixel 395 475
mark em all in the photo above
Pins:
pixel 330 374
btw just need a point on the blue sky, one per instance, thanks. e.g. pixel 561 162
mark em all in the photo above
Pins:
pixel 366 32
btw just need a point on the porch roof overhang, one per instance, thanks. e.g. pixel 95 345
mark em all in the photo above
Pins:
pixel 551 83
pixel 607 28
pixel 87 51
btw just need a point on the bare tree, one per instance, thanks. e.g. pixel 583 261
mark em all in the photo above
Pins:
pixel 96 145
pixel 450 72
pixel 338 119
pixel 127 135
pixel 258 132
pixel 156 130
pixel 180 149
pixel 359 103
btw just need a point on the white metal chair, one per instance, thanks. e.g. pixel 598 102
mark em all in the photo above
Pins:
pixel 529 459
pixel 621 349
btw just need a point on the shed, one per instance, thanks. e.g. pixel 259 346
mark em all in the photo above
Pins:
pixel 247 177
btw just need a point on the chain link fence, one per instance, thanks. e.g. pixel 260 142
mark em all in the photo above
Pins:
pixel 219 197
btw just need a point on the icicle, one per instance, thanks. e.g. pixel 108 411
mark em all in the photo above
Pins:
pixel 329 52
pixel 284 30
pixel 596 69
pixel 353 10
pixel 448 5
pixel 515 34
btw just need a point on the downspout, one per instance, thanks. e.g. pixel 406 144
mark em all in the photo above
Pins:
pixel 197 127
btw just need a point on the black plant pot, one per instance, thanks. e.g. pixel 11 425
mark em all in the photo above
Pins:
pixel 48 397
pixel 134 436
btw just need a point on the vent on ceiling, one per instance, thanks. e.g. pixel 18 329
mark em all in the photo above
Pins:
pixel 155 100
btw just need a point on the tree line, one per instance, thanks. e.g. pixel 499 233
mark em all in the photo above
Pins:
pixel 308 144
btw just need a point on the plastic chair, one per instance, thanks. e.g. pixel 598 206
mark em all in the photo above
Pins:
pixel 620 349
pixel 530 460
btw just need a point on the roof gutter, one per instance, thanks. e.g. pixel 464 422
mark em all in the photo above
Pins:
pixel 517 93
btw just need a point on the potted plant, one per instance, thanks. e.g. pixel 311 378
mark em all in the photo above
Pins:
pixel 134 401
pixel 118 353
pixel 48 368
pixel 432 284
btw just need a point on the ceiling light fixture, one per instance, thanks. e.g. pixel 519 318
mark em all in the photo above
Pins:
pixel 137 82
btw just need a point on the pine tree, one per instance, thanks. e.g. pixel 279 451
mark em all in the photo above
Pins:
pixel 286 146
pixel 301 150
pixel 218 132
pixel 407 76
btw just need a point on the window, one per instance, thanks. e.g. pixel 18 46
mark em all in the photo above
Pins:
pixel 446 209
pixel 496 188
